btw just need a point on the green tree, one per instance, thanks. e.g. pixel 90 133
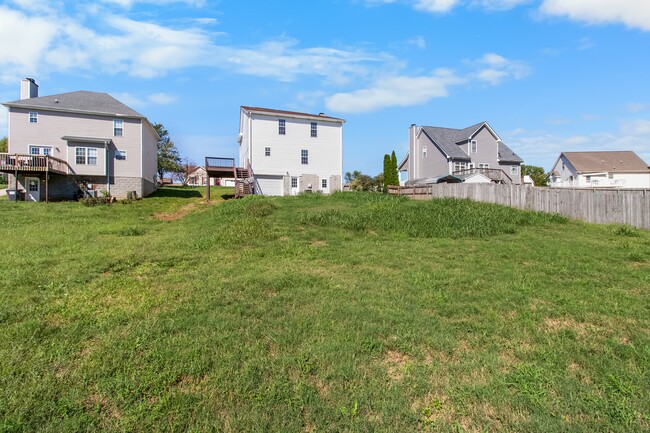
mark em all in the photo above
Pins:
pixel 362 182
pixel 169 161
pixel 386 178
pixel 536 173
pixel 393 169
pixel 4 145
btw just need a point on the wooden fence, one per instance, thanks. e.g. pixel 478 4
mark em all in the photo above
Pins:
pixel 612 206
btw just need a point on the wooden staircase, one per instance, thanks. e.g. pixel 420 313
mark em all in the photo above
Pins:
pixel 243 181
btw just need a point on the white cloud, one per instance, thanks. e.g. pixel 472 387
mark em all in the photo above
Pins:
pixel 3 121
pixel 636 107
pixel 494 68
pixel 632 13
pixel 23 40
pixel 499 5
pixel 143 101
pixel 436 6
pixel 38 45
pixel 419 42
pixel 636 127
pixel 129 3
pixel 394 91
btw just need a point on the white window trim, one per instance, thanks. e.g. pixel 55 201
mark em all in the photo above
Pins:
pixel 424 152
pixel 32 115
pixel 313 130
pixel 282 127
pixel 323 183
pixel 304 157
pixel 115 127
pixel 293 178
pixel 514 169
pixel 267 151
pixel 40 148
pixel 473 146
pixel 86 155
pixel 483 165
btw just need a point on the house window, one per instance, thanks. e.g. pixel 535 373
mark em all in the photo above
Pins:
pixel 267 151
pixel 458 166
pixel 33 117
pixel 282 126
pixel 120 154
pixel 40 150
pixel 86 155
pixel 563 166
pixel 424 151
pixel 323 183
pixel 304 156
pixel 294 182
pixel 514 170
pixel 314 129
pixel 611 175
pixel 483 165
pixel 118 127
pixel 474 146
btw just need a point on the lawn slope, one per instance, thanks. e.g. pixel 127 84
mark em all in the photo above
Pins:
pixel 354 312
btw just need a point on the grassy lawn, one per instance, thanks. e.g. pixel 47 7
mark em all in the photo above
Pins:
pixel 353 312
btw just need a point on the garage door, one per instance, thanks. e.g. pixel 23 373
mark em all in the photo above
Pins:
pixel 270 185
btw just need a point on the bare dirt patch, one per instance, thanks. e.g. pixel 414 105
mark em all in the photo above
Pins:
pixel 179 213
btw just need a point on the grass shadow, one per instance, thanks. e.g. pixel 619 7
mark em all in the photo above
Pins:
pixel 176 192
pixel 227 196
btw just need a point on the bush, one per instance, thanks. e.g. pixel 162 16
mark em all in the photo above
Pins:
pixel 95 201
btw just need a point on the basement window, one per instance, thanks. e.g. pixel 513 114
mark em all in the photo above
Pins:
pixel 323 183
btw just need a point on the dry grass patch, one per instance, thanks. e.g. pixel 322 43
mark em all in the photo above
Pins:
pixel 557 324
pixel 179 213
pixel 396 363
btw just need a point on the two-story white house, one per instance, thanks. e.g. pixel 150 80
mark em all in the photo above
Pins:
pixel 614 169
pixel 472 154
pixel 291 152
pixel 58 140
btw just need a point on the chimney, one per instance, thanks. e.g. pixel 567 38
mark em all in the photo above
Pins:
pixel 28 89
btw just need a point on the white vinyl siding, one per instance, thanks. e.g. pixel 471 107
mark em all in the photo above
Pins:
pixel 424 151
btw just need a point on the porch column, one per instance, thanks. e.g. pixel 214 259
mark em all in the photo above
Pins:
pixel 207 188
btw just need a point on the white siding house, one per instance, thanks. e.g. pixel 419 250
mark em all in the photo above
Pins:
pixel 290 152
pixel 617 169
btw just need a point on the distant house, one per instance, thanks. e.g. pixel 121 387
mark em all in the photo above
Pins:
pixel 56 141
pixel 617 169
pixel 198 177
pixel 451 155
pixel 290 152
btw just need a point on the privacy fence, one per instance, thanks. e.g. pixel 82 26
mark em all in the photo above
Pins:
pixel 619 206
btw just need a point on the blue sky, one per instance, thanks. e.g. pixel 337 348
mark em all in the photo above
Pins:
pixel 548 75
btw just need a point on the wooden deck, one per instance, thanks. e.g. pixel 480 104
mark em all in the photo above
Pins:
pixel 225 167
pixel 25 163
pixel 494 174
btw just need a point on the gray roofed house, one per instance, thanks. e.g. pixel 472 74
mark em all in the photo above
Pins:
pixel 436 152
pixel 81 101
pixel 59 142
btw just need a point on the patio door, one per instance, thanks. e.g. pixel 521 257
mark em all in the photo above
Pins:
pixel 33 185
pixel 294 186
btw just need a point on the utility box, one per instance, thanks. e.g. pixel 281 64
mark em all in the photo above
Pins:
pixel 11 194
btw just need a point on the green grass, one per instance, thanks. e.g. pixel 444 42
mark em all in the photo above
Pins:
pixel 352 312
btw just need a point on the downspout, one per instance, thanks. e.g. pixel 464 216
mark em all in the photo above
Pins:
pixel 108 174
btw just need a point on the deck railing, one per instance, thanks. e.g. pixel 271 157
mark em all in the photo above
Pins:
pixel 494 174
pixel 211 162
pixel 26 162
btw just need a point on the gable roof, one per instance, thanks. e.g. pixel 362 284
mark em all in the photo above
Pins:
pixel 81 101
pixel 275 112
pixel 614 161
pixel 447 140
